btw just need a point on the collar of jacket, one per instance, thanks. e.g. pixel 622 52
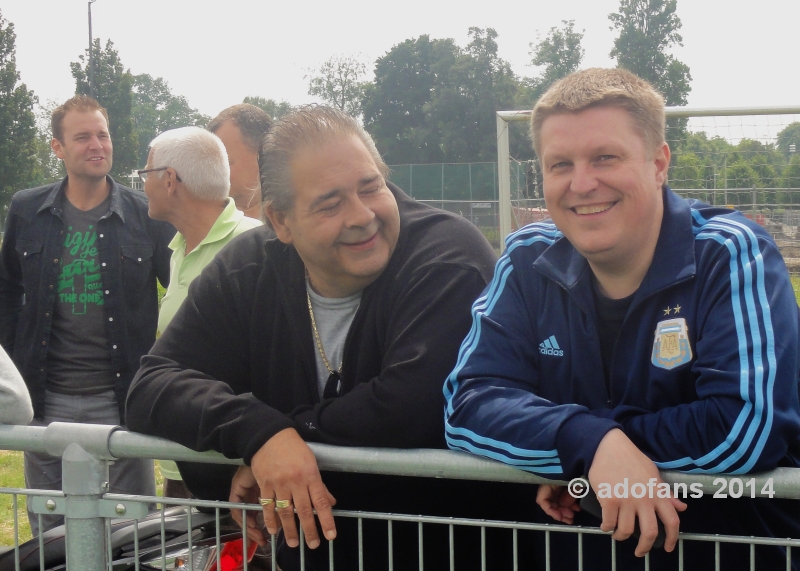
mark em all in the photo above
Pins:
pixel 673 260
pixel 58 190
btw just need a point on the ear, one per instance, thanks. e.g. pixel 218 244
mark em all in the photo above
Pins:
pixel 662 156
pixel 281 223
pixel 55 144
pixel 171 182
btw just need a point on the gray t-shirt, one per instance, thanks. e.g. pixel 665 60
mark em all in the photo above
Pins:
pixel 79 358
pixel 333 316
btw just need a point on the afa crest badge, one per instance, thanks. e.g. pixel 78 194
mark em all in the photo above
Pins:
pixel 671 344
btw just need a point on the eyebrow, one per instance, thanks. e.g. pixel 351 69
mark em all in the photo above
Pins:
pixel 332 193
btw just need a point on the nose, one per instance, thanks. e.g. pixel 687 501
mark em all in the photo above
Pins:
pixel 359 214
pixel 94 143
pixel 583 178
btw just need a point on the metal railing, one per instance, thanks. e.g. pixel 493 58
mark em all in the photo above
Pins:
pixel 88 508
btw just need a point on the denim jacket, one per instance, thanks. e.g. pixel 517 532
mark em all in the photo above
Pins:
pixel 133 253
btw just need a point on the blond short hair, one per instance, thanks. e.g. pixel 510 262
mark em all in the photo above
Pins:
pixel 598 87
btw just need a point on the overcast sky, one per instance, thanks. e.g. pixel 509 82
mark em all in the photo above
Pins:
pixel 216 53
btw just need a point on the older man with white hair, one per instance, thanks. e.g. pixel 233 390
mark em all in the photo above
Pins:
pixel 187 180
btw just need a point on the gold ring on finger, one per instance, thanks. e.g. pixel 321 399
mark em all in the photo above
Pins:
pixel 283 504
pixel 265 501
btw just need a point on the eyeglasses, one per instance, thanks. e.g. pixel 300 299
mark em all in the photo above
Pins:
pixel 143 173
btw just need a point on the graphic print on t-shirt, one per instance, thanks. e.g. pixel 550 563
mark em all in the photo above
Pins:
pixel 79 283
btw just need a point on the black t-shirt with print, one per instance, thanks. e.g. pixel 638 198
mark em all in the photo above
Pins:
pixel 79 358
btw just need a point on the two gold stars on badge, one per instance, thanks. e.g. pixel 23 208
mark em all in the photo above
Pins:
pixel 676 310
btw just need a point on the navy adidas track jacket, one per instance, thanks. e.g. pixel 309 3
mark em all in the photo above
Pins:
pixel 704 376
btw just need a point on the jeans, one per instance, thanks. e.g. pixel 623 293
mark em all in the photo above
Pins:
pixel 43 472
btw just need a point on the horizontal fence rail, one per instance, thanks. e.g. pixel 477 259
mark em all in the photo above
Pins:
pixel 90 510
pixel 430 463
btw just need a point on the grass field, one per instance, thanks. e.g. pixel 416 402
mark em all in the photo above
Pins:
pixel 11 476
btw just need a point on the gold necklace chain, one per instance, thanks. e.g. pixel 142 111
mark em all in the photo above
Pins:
pixel 316 336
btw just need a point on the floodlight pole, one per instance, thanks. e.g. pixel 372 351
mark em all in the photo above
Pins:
pixel 92 91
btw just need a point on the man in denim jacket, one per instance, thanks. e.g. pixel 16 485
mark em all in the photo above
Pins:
pixel 78 299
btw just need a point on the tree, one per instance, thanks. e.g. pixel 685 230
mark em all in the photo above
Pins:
pixel 396 104
pixel 155 110
pixel 791 174
pixel 559 53
pixel 647 28
pixel 465 102
pixel 339 82
pixel 114 90
pixel 49 167
pixel 788 136
pixel 687 172
pixel 271 107
pixel 18 148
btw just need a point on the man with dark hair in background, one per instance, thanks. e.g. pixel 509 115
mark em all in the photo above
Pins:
pixel 78 300
pixel 241 128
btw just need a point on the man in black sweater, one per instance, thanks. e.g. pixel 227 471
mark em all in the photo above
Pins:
pixel 339 331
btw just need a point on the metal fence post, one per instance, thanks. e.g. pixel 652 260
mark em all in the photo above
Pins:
pixel 85 480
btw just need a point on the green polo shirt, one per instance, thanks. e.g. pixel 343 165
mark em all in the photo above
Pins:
pixel 183 269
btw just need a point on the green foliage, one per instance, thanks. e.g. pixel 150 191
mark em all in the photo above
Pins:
pixel 18 146
pixel 559 53
pixel 791 174
pixel 11 476
pixel 271 107
pixel 156 109
pixel 339 83
pixel 788 136
pixel 49 168
pixel 647 29
pixel 433 101
pixel 688 172
pixel 113 86
pixel 395 105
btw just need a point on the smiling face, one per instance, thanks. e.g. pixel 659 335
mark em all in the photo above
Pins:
pixel 86 146
pixel 602 186
pixel 344 222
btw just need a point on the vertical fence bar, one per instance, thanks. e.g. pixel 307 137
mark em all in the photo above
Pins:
pixel 244 540
pixel 302 550
pixel 516 549
pixel 273 552
pixel 504 184
pixel 421 547
pixel 580 552
pixel 752 557
pixel 14 506
pixel 483 548
pixel 680 555
pixel 547 550
pixel 360 544
pixel 189 535
pixel 216 526
pixel 788 558
pixel 613 555
pixel 84 480
pixel 163 539
pixel 330 555
pixel 391 547
pixel 716 556
pixel 452 547
pixel 136 543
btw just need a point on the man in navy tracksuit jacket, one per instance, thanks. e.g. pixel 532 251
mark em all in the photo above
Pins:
pixel 637 331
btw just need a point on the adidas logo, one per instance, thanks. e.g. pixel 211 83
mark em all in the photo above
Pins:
pixel 550 347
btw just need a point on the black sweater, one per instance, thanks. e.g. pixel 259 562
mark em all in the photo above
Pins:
pixel 237 365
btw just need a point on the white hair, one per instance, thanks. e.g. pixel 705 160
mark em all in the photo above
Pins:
pixel 199 158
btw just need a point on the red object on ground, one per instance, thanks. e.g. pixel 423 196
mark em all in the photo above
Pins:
pixel 230 558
